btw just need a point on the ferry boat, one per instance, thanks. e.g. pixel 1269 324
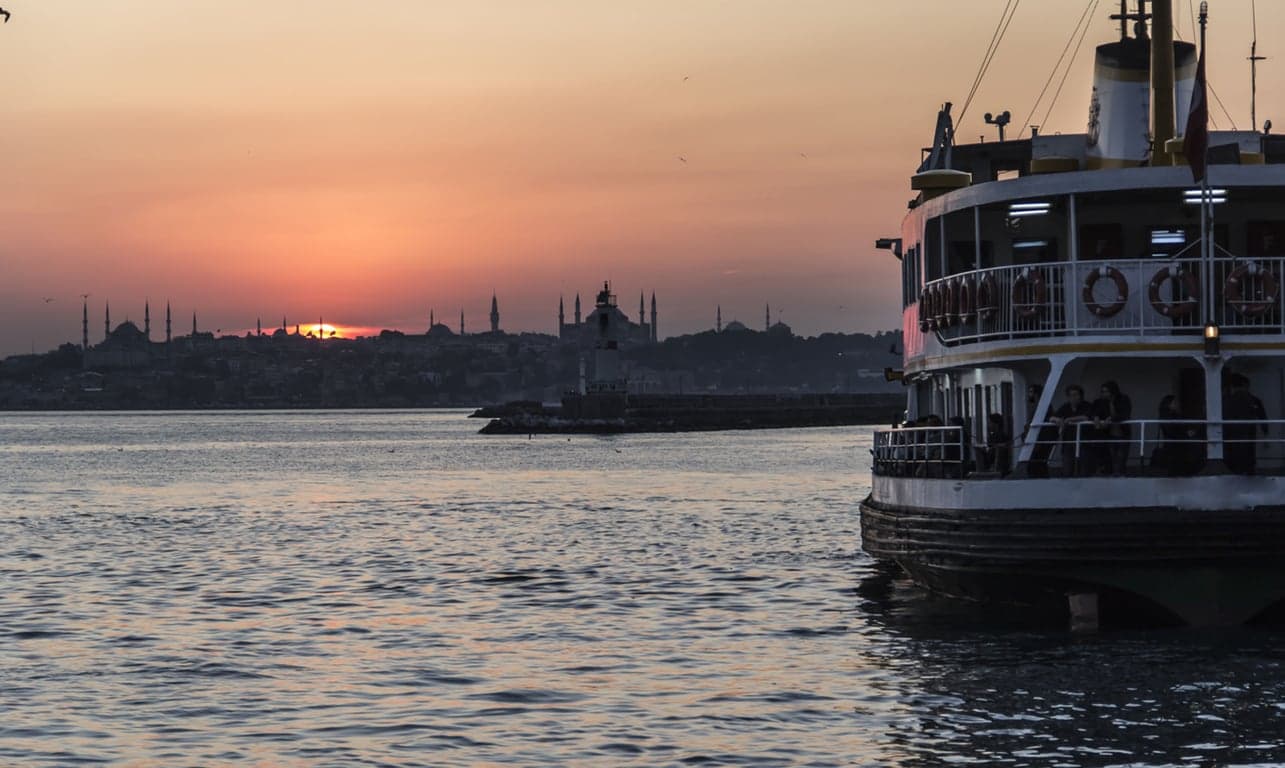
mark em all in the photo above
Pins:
pixel 1035 266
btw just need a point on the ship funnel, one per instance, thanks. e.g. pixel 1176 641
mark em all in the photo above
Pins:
pixel 1184 60
pixel 1119 113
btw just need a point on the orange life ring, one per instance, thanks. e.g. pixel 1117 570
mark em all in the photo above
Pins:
pixel 987 298
pixel 1029 293
pixel 1178 307
pixel 1121 287
pixel 967 306
pixel 1234 290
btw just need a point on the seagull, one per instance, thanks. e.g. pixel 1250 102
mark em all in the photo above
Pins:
pixel 682 159
pixel 48 300
pixel 6 15
pixel 686 78
pixel 803 155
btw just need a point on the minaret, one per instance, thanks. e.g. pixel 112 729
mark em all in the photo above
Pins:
pixel 107 321
pixel 147 320
pixel 168 327
pixel 495 314
pixel 642 312
pixel 258 326
pixel 718 320
pixel 194 325
pixel 283 324
pixel 577 309
pixel 461 322
pixel 431 321
pixel 562 316
pixel 767 317
pixel 84 325
pixel 655 334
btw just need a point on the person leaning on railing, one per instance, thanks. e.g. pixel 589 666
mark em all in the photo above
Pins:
pixel 1111 411
pixel 1240 447
pixel 1076 410
pixel 1178 453
pixel 996 454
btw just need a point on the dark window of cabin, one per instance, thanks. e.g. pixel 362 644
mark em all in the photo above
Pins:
pixel 932 250
pixel 962 256
pixel 1034 250
pixel 1101 242
pixel 1167 242
pixel 1264 239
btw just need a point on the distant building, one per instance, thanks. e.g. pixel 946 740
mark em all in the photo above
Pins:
pixel 623 331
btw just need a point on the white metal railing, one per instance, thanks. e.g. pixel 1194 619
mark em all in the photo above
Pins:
pixel 1160 296
pixel 1152 446
pixel 937 451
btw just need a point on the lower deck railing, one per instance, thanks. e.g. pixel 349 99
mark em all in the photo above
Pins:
pixel 1172 447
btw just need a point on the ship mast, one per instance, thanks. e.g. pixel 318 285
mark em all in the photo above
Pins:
pixel 1254 58
pixel 1162 81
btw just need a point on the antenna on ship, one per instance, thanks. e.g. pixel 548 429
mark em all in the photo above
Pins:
pixel 1254 58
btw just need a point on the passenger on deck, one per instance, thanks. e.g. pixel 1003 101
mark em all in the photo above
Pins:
pixel 1179 450
pixel 996 454
pixel 1110 412
pixel 1045 437
pixel 1240 450
pixel 1076 410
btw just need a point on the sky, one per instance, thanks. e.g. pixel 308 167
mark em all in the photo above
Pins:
pixel 370 162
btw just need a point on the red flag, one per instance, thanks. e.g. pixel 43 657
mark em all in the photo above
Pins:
pixel 1195 140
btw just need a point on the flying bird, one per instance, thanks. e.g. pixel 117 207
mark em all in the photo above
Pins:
pixel 686 78
pixel 682 159
pixel 4 13
pixel 48 300
pixel 803 155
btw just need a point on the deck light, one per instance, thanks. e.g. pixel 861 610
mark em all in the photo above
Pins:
pixel 1212 341
pixel 1214 197
pixel 1021 210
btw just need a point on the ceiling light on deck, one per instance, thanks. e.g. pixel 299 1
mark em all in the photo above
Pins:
pixel 1168 237
pixel 1020 210
pixel 1215 196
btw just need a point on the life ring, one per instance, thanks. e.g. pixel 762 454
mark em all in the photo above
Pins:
pixel 1234 289
pixel 987 298
pixel 1121 287
pixel 923 309
pixel 932 307
pixel 939 306
pixel 1029 293
pixel 967 305
pixel 1178 307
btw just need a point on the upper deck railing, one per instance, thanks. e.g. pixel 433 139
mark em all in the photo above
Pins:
pixel 1150 297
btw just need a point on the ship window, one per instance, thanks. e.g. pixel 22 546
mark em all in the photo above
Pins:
pixel 1265 238
pixel 1167 241
pixel 1034 251
pixel 1101 242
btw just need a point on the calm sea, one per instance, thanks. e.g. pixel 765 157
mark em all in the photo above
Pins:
pixel 355 589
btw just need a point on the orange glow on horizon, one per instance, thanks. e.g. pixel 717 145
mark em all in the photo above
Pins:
pixel 378 165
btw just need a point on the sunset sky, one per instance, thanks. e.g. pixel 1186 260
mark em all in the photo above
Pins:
pixel 369 161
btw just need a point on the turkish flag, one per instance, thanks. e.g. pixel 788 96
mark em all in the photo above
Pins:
pixel 1195 140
